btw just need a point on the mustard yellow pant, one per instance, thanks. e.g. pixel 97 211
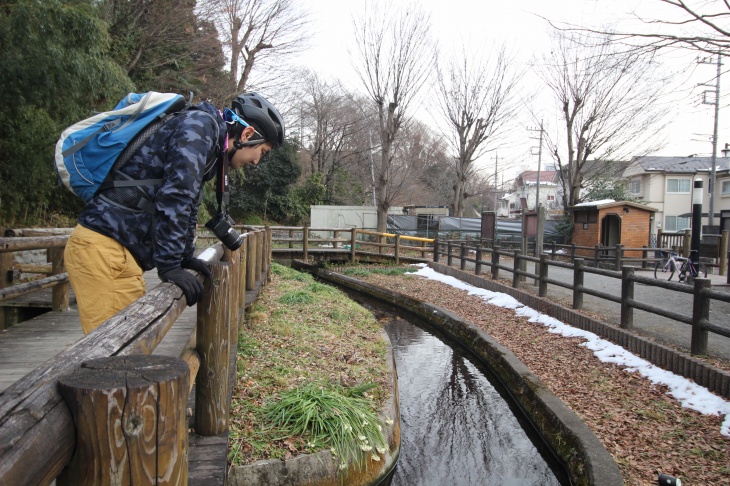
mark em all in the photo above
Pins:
pixel 104 276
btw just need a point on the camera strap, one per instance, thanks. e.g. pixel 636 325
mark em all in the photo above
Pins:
pixel 222 193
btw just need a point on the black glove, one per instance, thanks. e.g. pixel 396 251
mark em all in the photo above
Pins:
pixel 198 265
pixel 190 285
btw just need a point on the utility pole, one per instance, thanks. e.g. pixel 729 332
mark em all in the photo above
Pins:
pixel 539 164
pixel 496 161
pixel 715 101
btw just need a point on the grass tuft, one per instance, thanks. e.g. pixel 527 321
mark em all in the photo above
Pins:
pixel 340 418
pixel 298 296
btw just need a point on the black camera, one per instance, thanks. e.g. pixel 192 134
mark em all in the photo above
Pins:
pixel 222 226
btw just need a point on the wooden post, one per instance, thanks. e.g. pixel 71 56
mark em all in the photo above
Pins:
pixel 449 257
pixel 644 256
pixel 578 283
pixel 659 239
pixel 462 256
pixel 515 270
pixel 686 243
pixel 618 256
pixel 543 285
pixel 552 250
pixel 353 242
pixel 268 236
pixel 212 393
pixel 596 252
pixel 724 240
pixel 242 271
pixel 6 280
pixel 234 258
pixel 336 235
pixel 305 242
pixel 572 252
pixel 478 264
pixel 540 229
pixel 700 316
pixel 436 250
pixel 627 298
pixel 260 254
pixel 131 425
pixel 251 262
pixel 291 238
pixel 397 249
pixel 60 292
pixel 495 262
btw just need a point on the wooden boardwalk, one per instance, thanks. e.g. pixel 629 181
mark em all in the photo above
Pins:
pixel 27 345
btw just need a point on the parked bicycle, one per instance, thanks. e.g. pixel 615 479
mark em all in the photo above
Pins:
pixel 685 268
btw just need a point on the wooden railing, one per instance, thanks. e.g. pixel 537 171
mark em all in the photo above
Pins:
pixel 702 290
pixel 351 243
pixel 103 407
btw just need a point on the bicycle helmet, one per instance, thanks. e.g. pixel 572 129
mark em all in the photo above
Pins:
pixel 257 110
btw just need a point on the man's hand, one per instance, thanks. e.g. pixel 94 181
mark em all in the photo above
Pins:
pixel 191 287
pixel 198 265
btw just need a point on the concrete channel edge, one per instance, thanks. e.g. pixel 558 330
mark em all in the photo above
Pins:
pixel 587 460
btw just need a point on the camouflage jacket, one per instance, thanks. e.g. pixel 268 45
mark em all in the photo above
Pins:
pixel 176 153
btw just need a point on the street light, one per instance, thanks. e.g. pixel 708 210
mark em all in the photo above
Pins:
pixel 726 150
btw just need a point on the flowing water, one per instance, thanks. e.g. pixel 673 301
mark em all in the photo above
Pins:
pixel 456 426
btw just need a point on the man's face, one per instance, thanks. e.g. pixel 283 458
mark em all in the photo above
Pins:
pixel 250 155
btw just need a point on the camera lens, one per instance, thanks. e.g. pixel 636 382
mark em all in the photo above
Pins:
pixel 233 239
pixel 221 226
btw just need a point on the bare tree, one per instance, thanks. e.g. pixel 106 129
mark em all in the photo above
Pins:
pixel 608 103
pixel 332 126
pixel 477 97
pixel 416 151
pixel 696 24
pixel 259 33
pixel 393 60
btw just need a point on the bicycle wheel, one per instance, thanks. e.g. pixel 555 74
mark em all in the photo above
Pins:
pixel 664 269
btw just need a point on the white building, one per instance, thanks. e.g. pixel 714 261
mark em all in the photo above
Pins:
pixel 667 183
pixel 525 193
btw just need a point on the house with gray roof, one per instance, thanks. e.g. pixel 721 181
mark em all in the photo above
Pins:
pixel 666 184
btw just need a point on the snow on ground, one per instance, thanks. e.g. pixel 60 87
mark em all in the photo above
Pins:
pixel 689 394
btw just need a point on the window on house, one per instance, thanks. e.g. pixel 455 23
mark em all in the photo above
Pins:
pixel 726 187
pixel 678 186
pixel 551 198
pixel 676 223
pixel 635 186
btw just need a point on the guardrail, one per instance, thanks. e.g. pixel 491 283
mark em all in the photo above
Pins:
pixel 103 407
pixel 702 290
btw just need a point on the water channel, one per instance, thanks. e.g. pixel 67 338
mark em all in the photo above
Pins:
pixel 457 426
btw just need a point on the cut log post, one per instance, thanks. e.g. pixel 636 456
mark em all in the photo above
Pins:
pixel 131 426
pixel 213 343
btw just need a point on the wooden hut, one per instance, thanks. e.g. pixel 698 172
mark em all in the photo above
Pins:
pixel 609 223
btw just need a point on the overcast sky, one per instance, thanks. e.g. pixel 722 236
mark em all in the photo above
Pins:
pixel 521 25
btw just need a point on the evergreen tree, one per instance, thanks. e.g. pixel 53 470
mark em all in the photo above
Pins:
pixel 267 189
pixel 54 70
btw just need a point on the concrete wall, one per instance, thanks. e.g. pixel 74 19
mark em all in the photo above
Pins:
pixel 361 217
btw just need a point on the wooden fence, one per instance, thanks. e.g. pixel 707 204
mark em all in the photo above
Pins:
pixel 103 411
pixel 351 244
pixel 702 291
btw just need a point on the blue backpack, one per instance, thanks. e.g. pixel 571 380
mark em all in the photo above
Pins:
pixel 87 151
